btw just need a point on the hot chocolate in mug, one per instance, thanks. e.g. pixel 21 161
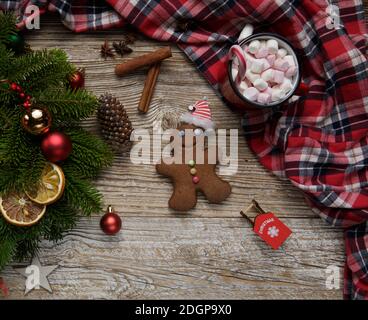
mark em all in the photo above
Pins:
pixel 263 71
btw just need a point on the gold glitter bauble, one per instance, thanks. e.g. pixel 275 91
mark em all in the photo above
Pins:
pixel 37 121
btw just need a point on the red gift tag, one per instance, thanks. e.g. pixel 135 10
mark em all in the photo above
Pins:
pixel 271 229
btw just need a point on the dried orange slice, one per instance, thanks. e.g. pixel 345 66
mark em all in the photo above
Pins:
pixel 19 210
pixel 51 186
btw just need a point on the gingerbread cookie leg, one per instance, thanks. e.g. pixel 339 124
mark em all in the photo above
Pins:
pixel 183 198
pixel 217 191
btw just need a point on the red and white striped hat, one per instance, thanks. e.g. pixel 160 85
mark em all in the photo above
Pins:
pixel 199 115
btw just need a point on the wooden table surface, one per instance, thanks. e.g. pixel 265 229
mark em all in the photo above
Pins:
pixel 209 253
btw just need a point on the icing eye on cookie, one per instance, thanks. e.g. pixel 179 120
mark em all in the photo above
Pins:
pixel 181 133
pixel 191 108
pixel 209 132
pixel 198 132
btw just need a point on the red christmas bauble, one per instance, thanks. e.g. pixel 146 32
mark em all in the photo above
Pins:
pixel 56 146
pixel 110 222
pixel 76 80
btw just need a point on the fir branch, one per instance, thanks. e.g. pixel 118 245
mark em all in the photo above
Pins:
pixel 21 160
pixel 40 69
pixel 81 195
pixel 58 218
pixel 5 120
pixel 7 24
pixel 84 161
pixel 27 248
pixel 44 76
pixel 6 57
pixel 68 105
pixel 7 251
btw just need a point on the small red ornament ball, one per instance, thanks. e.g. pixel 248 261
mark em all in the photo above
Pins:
pixel 13 86
pixel 76 80
pixel 56 146
pixel 110 222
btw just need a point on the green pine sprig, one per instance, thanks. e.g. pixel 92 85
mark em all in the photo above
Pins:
pixel 7 21
pixel 67 105
pixel 44 76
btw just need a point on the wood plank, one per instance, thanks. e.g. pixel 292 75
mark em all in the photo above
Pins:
pixel 210 252
pixel 188 258
pixel 144 192
pixel 139 190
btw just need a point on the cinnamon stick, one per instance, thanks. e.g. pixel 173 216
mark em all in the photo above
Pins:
pixel 149 87
pixel 144 60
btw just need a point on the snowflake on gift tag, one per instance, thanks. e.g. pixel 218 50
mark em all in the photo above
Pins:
pixel 273 232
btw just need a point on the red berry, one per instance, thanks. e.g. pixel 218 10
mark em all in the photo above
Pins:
pixel 13 86
pixel 27 104
pixel 28 97
pixel 19 88
pixel 22 95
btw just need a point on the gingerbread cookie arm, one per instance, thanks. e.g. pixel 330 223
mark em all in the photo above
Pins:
pixel 165 169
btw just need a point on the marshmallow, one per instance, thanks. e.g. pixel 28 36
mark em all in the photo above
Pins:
pixel 269 72
pixel 256 66
pixel 290 60
pixel 246 32
pixel 234 73
pixel 249 60
pixel 243 85
pixel 272 46
pixel 281 53
pixel 281 64
pixel 251 93
pixel 278 76
pixel 261 53
pixel 266 64
pixel 271 58
pixel 286 86
pixel 252 76
pixel 277 94
pixel 247 55
pixel 260 84
pixel 264 98
pixel 269 90
pixel 254 46
pixel 268 75
pixel 291 72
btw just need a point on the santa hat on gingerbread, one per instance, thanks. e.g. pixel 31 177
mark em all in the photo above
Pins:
pixel 199 115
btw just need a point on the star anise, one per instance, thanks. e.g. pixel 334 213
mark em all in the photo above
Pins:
pixel 121 48
pixel 106 51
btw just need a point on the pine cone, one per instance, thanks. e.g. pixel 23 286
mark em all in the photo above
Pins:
pixel 114 122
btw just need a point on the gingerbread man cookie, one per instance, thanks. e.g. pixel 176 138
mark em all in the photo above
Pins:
pixel 189 177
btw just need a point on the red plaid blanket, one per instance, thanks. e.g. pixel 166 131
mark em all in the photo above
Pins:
pixel 320 141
